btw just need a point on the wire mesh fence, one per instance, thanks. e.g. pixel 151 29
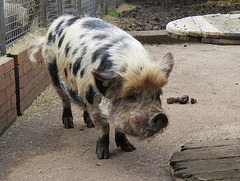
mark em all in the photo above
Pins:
pixel 18 17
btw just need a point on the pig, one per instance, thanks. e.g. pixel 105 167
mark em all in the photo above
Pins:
pixel 109 74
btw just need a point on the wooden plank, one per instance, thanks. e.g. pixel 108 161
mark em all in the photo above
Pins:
pixel 231 174
pixel 218 160
pixel 206 153
pixel 206 144
pixel 206 166
pixel 224 23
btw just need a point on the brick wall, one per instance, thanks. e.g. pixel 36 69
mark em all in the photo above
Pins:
pixel 30 80
pixel 20 83
pixel 8 109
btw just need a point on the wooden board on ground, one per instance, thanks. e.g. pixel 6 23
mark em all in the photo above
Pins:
pixel 218 160
pixel 213 28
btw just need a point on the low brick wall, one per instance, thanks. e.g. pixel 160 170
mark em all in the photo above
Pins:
pixel 20 83
pixel 30 80
pixel 8 108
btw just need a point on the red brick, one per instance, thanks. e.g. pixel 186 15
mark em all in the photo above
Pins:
pixel 20 70
pixel 27 101
pixel 2 96
pixel 6 80
pixel 13 101
pixel 10 90
pixel 11 76
pixel 1 70
pixel 19 59
pixel 23 80
pixel 27 66
pixel 38 68
pixel 11 115
pixel 9 66
pixel 3 82
pixel 22 93
pixel 29 86
pixel 5 106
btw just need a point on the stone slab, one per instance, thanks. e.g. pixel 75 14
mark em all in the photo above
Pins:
pixel 213 28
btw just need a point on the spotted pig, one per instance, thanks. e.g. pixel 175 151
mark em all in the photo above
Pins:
pixel 109 75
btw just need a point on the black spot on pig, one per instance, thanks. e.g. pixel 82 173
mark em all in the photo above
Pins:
pixel 101 51
pixel 82 73
pixel 65 71
pixel 72 20
pixel 99 37
pixel 105 64
pixel 75 51
pixel 84 51
pixel 90 94
pixel 58 26
pixel 60 32
pixel 96 24
pixel 74 95
pixel 70 66
pixel 81 37
pixel 53 71
pixel 77 65
pixel 51 38
pixel 60 41
pixel 67 48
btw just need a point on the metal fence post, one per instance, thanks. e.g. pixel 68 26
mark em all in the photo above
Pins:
pixel 2 29
pixel 79 6
pixel 94 8
pixel 105 6
pixel 60 7
pixel 44 12
pixel 117 3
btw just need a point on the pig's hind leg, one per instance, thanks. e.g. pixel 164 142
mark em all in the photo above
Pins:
pixel 122 142
pixel 67 117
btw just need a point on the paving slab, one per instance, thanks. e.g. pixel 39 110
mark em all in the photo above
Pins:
pixel 212 28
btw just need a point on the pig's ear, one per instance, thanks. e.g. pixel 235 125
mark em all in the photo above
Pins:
pixel 167 63
pixel 107 82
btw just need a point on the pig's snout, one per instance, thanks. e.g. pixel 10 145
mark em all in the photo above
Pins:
pixel 159 121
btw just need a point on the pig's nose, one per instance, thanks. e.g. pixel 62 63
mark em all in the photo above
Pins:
pixel 159 121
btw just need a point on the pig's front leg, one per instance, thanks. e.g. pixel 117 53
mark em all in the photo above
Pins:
pixel 102 125
pixel 87 119
pixel 122 141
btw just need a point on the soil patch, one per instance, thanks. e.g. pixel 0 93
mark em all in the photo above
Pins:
pixel 137 15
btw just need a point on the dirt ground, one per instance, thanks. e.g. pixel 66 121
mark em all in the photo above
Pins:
pixel 138 15
pixel 37 147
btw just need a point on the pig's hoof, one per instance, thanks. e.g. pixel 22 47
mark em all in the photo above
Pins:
pixel 68 122
pixel 87 120
pixel 102 149
pixel 103 152
pixel 122 142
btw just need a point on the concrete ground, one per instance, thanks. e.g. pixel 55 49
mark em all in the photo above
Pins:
pixel 37 147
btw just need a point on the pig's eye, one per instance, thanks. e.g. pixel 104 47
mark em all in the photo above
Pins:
pixel 131 98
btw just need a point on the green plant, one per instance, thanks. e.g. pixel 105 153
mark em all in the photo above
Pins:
pixel 112 13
